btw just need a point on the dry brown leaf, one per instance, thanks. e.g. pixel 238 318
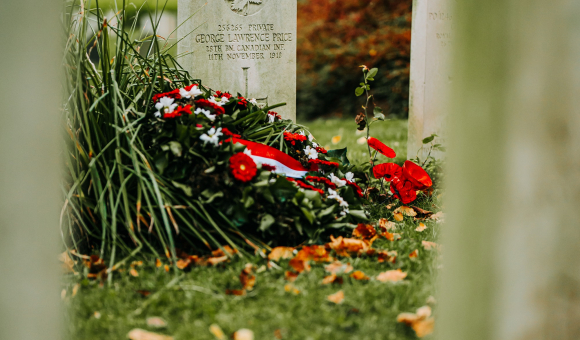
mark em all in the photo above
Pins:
pixel 67 263
pixel 358 275
pixel 407 211
pixel 243 334
pixel 428 245
pixel 183 263
pixel 140 334
pixel 389 206
pixel 422 211
pixel 247 278
pixel 145 293
pixel 291 289
pixel 97 267
pixel 338 267
pixel 337 297
pixel 158 263
pixel 278 334
pixel 389 236
pixel 346 246
pixel 392 276
pixel 387 256
pixel 439 216
pixel 386 225
pixel 332 278
pixel 414 254
pixel 299 265
pixel 228 251
pixel 315 253
pixel 290 276
pixel 134 272
pixel 281 253
pixel 237 292
pixel 217 332
pixel 421 227
pixel 398 216
pixel 156 322
pixel 75 289
pixel 421 321
pixel 217 260
pixel 364 231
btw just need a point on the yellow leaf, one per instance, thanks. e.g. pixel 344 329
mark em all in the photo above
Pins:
pixel 421 227
pixel 358 275
pixel 398 216
pixel 336 139
pixel 76 289
pixel 407 211
pixel 244 334
pixel 134 272
pixel 421 321
pixel 217 332
pixel 414 254
pixel 337 297
pixel 140 334
pixel 391 276
pixel 281 253
pixel 338 267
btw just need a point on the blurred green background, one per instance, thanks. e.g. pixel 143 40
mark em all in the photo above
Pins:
pixel 334 38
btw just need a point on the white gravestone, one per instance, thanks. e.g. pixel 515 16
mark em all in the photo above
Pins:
pixel 430 77
pixel 242 46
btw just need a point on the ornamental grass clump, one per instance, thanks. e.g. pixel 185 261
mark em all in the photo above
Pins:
pixel 156 162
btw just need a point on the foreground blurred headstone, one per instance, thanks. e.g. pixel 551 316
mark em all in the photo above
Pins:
pixel 29 164
pixel 430 77
pixel 242 46
pixel 511 244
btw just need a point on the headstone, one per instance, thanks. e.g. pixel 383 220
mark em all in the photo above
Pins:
pixel 242 46
pixel 430 79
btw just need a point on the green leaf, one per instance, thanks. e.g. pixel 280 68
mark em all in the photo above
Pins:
pixel 266 221
pixel 358 214
pixel 359 91
pixel 339 154
pixel 429 139
pixel 186 188
pixel 378 112
pixel 175 148
pixel 160 161
pixel 283 190
pixel 308 215
pixel 372 72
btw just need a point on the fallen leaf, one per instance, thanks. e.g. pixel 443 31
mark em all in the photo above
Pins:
pixel 315 253
pixel 398 216
pixel 387 256
pixel 422 211
pixel 243 334
pixel 237 292
pixel 290 276
pixel 346 246
pixel 290 288
pixel 428 245
pixel 140 334
pixel 166 268
pixel 217 260
pixel 217 332
pixel 386 225
pixel 392 276
pixel 358 275
pixel 75 289
pixel 299 265
pixel 247 278
pixel 337 297
pixel 145 293
pixel 332 278
pixel 278 334
pixel 67 262
pixel 158 263
pixel 439 216
pixel 97 267
pixel 281 253
pixel 414 254
pixel 134 272
pixel 407 211
pixel 388 236
pixel 228 251
pixel 156 322
pixel 421 227
pixel 336 139
pixel 364 231
pixel 389 206
pixel 338 267
pixel 421 321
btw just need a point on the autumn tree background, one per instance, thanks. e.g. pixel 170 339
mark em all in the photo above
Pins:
pixel 335 37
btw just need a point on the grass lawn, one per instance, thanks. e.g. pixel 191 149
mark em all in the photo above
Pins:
pixel 191 301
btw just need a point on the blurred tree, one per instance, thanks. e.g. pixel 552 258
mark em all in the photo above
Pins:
pixel 335 37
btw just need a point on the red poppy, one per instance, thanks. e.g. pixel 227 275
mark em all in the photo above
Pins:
pixel 228 133
pixel 388 171
pixel 403 190
pixel 243 167
pixel 381 147
pixel 416 175
pixel 171 94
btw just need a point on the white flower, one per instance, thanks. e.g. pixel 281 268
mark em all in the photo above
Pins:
pixel 339 182
pixel 349 176
pixel 271 118
pixel 302 133
pixel 332 193
pixel 219 101
pixel 253 101
pixel 344 212
pixel 310 137
pixel 166 105
pixel 192 93
pixel 206 113
pixel 311 152
pixel 314 144
pixel 212 136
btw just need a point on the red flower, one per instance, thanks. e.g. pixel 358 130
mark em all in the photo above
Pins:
pixel 220 94
pixel 323 180
pixel 403 190
pixel 293 137
pixel 228 133
pixel 243 167
pixel 304 185
pixel 321 150
pixel 242 101
pixel 267 166
pixel 172 94
pixel 380 147
pixel 356 188
pixel 206 103
pixel 416 175
pixel 178 112
pixel 387 170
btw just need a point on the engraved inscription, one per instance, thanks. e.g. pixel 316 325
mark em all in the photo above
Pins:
pixel 245 7
pixel 443 38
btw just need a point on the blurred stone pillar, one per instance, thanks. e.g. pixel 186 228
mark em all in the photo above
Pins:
pixel 30 36
pixel 512 241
